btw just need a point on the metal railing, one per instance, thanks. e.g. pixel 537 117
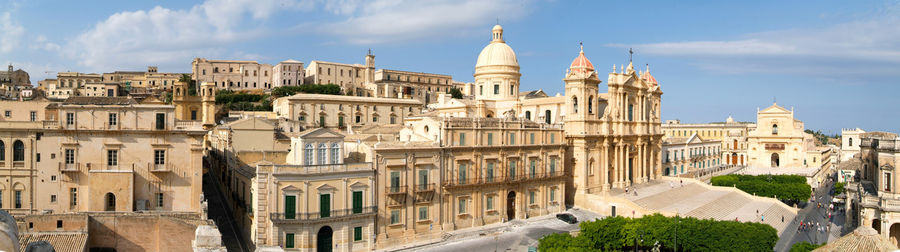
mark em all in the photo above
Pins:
pixel 502 179
pixel 424 187
pixel 338 213
pixel 395 189
pixel 319 169
pixel 69 167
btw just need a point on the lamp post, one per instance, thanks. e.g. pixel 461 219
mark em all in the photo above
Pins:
pixel 636 240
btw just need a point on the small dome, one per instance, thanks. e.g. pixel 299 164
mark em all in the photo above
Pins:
pixel 729 119
pixel 647 77
pixel 581 64
pixel 497 53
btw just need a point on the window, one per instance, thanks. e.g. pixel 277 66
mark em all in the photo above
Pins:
pixel 496 89
pixel 322 155
pixel 480 90
pixel 774 129
pixel 423 179
pixel 531 197
pixel 850 141
pixel 462 138
pixel 18 151
pixel 290 207
pixel 490 138
pixel 160 198
pixel 395 181
pixel 308 153
pixel 553 165
pixel 533 168
pixel 18 199
pixel 395 216
pixel 2 151
pixel 37 157
pixel 462 173
pixel 357 202
pixel 489 203
pixel 375 119
pixel 73 192
pixel 33 116
pixel 423 213
pixel 70 156
pixel 193 114
pixel 590 105
pixel 70 118
pixel 490 172
pixel 160 121
pixel 512 168
pixel 512 138
pixel 358 119
pixel 324 205
pixel 575 104
pixel 53 198
pixel 462 206
pixel 531 138
pixel 357 233
pixel 289 240
pixel 7 113
pixel 552 138
pixel 528 115
pixel 159 157
pixel 335 154
pixel 552 194
pixel 630 112
pixel 112 157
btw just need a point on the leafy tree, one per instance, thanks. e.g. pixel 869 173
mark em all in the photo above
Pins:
pixel 790 188
pixel 456 93
pixel 331 89
pixel 839 188
pixel 805 247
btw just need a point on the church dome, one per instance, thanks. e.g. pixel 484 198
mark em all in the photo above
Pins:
pixel 497 53
pixel 581 64
pixel 648 77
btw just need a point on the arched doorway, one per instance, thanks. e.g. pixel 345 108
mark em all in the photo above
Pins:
pixel 511 205
pixel 323 239
pixel 876 224
pixel 667 172
pixel 895 233
pixel 110 202
pixel 734 158
pixel 775 160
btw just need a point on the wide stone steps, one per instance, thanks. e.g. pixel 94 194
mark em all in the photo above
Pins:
pixel 721 207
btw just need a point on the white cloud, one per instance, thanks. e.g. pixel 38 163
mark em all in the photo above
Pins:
pixel 381 21
pixel 10 33
pixel 863 47
pixel 162 36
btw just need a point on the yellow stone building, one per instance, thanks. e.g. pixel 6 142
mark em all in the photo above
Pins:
pixel 341 111
pixel 777 140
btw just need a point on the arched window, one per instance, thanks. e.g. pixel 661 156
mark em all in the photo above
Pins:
pixel 335 153
pixel 528 115
pixel 18 151
pixel 774 129
pixel 110 202
pixel 575 104
pixel 2 151
pixel 308 154
pixel 591 105
pixel 1 147
pixel 322 154
pixel 547 117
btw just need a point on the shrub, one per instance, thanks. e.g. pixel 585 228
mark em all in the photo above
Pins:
pixel 787 187
pixel 331 89
pixel 805 247
pixel 456 93
pixel 838 188
pixel 618 233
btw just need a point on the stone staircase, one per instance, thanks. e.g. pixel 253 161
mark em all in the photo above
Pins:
pixel 688 197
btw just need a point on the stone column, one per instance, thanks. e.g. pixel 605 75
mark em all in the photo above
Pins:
pixel 605 164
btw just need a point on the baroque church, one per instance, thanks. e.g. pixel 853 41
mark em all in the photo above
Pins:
pixel 614 135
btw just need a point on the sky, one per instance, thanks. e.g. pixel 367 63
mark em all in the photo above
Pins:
pixel 836 63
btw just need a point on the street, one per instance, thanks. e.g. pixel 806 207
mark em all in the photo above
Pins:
pixel 516 235
pixel 812 214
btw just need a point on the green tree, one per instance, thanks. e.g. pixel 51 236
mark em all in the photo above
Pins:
pixel 805 247
pixel 456 93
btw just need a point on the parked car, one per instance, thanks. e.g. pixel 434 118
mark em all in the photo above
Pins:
pixel 567 217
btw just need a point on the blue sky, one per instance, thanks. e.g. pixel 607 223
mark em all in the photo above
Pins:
pixel 836 63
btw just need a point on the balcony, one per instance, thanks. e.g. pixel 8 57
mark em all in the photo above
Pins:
pixel 159 167
pixel 333 215
pixel 188 125
pixel 424 188
pixel 320 169
pixel 515 178
pixel 394 190
pixel 69 167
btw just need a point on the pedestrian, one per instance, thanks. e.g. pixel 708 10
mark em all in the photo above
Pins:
pixel 763 218
pixel 682 183
pixel 782 219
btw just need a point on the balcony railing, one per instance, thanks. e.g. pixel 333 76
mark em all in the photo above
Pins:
pixel 179 124
pixel 312 216
pixel 159 167
pixel 455 182
pixel 321 169
pixel 63 167
pixel 424 187
pixel 395 190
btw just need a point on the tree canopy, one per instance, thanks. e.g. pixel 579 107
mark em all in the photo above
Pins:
pixel 792 188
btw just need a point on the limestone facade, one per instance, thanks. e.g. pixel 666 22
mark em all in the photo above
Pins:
pixel 685 154
pixel 233 74
pixel 447 174
pixel 731 135
pixel 341 112
pixel 15 78
pixel 777 140
pixel 850 140
pixel 872 195
pixel 288 73
pixel 151 79
pixel 352 78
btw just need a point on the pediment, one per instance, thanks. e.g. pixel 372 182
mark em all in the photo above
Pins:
pixel 291 188
pixel 359 186
pixel 321 133
pixel 775 109
pixel 326 188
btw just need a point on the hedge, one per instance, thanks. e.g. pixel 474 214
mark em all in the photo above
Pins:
pixel 619 233
pixel 331 89
pixel 785 187
pixel 805 247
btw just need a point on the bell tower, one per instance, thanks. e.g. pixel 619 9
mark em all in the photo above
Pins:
pixel 582 95
pixel 208 101
pixel 370 67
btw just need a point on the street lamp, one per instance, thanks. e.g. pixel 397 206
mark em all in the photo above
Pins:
pixel 636 239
